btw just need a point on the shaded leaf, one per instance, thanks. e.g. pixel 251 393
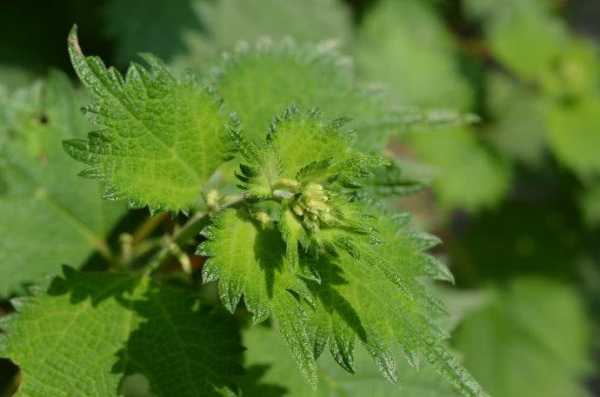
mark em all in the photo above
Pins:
pixel 49 215
pixel 92 331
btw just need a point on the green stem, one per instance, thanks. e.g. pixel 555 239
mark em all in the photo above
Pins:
pixel 191 229
pixel 148 227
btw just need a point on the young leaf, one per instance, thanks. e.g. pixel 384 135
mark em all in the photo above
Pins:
pixel 160 138
pixel 48 215
pixel 249 261
pixel 301 149
pixel 93 332
pixel 518 333
pixel 354 273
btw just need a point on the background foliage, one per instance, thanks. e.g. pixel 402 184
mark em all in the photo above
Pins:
pixel 515 197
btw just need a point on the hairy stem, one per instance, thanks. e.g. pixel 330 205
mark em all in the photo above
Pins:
pixel 148 227
pixel 191 229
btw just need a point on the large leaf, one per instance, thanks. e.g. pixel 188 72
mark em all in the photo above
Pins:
pixel 48 215
pixel 373 297
pixel 92 332
pixel 161 138
pixel 261 81
pixel 266 355
pixel 531 340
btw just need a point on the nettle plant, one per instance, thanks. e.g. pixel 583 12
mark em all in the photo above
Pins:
pixel 273 172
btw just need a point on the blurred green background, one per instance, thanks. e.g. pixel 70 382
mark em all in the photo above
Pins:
pixel 515 197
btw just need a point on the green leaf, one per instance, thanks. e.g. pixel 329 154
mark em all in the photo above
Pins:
pixel 49 215
pixel 266 355
pixel 308 76
pixel 573 134
pixel 405 45
pixel 372 293
pixel 92 332
pixel 248 261
pixel 575 73
pixel 302 148
pixel 366 293
pixel 516 347
pixel 390 181
pixel 468 176
pixel 156 27
pixel 526 37
pixel 229 21
pixel 161 138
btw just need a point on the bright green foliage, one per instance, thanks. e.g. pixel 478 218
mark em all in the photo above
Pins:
pixel 469 176
pixel 91 331
pixel 366 293
pixel 153 26
pixel 48 215
pixel 227 22
pixel 267 355
pixel 160 139
pixel 302 149
pixel 342 274
pixel 530 340
pixel 249 261
pixel 574 135
pixel 405 45
pixel 308 76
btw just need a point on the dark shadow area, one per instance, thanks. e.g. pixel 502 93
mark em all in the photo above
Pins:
pixel 331 276
pixel 535 231
pixel 269 249
pixel 9 374
pixel 34 33
pixel 158 27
